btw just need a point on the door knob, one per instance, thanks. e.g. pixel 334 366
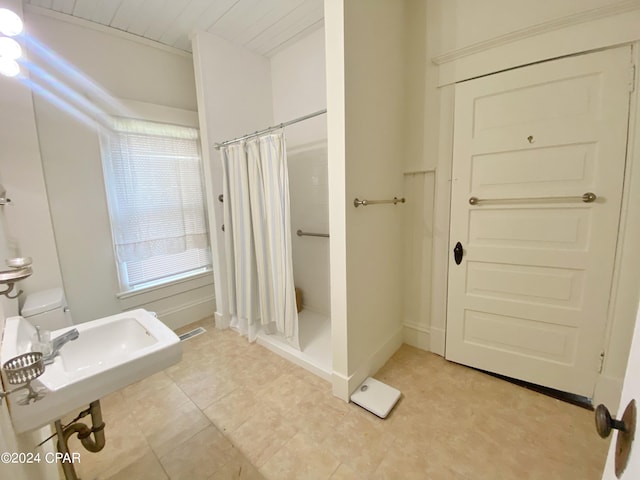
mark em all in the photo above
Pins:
pixel 604 422
pixel 626 427
pixel 458 251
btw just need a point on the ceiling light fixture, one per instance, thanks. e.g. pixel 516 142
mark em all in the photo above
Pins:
pixel 10 23
pixel 9 48
pixel 9 67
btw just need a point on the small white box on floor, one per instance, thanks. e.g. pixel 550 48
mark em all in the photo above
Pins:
pixel 375 396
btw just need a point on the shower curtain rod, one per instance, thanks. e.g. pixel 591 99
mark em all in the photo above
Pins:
pixel 217 146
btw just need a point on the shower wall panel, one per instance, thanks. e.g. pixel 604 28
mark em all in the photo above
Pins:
pixel 308 188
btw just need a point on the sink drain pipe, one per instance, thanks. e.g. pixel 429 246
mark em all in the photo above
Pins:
pixel 94 444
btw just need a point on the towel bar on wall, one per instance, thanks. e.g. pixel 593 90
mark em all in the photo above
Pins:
pixel 586 198
pixel 300 233
pixel 364 203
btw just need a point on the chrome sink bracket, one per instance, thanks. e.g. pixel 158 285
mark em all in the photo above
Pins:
pixel 20 269
pixel 9 289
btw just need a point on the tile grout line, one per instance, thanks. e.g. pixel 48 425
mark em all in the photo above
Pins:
pixel 211 422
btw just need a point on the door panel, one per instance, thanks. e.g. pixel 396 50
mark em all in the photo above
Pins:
pixel 536 228
pixel 543 286
pixel 520 336
pixel 530 298
pixel 545 169
pixel 556 100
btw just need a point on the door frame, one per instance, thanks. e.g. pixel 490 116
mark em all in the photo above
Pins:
pixel 626 276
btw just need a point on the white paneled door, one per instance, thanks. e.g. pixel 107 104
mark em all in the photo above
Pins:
pixel 530 294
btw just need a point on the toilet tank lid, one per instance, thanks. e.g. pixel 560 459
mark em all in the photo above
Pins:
pixel 42 301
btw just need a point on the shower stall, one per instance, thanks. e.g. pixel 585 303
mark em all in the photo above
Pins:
pixel 309 200
pixel 269 262
pixel 250 94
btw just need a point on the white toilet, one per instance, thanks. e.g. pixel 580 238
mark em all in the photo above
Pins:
pixel 47 309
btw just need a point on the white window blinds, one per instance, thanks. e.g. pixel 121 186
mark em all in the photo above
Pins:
pixel 153 174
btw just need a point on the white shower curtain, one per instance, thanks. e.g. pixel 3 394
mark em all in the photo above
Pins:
pixel 258 238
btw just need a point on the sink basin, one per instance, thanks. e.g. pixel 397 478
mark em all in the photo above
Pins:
pixel 109 354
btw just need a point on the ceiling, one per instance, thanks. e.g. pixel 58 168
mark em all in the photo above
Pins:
pixel 263 26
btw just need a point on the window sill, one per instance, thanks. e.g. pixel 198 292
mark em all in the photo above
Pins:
pixel 203 274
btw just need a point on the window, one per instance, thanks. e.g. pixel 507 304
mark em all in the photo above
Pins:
pixel 153 175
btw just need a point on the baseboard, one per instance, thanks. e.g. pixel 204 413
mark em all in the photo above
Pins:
pixel 416 336
pixel 343 386
pixel 438 340
pixel 608 391
pixel 340 386
pixel 222 321
pixel 187 313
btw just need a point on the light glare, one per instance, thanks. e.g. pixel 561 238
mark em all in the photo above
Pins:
pixel 9 67
pixel 10 23
pixel 9 48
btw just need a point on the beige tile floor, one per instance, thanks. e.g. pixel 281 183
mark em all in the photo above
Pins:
pixel 231 410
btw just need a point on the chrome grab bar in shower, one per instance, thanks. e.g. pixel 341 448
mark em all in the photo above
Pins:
pixel 300 233
pixel 586 198
pixel 364 203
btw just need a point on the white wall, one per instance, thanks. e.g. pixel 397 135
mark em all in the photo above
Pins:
pixel 125 68
pixel 468 22
pixel 298 81
pixel 234 97
pixel 365 98
pixel 417 249
pixel 419 182
pixel 336 151
pixel 28 222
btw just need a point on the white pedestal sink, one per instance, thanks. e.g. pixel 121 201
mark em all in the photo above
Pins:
pixel 109 354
